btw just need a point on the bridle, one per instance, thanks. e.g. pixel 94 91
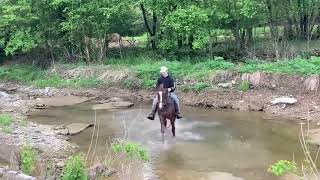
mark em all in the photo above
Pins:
pixel 162 100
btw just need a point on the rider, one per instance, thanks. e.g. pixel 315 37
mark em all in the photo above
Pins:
pixel 168 83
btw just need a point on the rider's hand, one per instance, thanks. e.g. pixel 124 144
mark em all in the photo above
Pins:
pixel 169 89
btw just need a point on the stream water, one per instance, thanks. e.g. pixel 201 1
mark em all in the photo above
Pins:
pixel 241 143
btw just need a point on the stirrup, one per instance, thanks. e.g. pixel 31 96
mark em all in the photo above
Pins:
pixel 151 116
pixel 179 116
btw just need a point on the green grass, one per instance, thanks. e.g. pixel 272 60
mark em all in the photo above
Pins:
pixel 147 71
pixel 244 86
pixel 5 120
pixel 297 66
pixel 34 76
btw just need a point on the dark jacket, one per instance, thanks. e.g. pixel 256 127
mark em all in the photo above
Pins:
pixel 167 82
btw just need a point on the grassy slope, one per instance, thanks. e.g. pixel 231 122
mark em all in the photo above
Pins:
pixel 147 71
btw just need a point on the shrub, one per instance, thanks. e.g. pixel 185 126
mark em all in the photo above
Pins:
pixel 28 158
pixel 75 168
pixel 283 166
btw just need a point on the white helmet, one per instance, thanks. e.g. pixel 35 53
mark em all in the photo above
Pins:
pixel 163 69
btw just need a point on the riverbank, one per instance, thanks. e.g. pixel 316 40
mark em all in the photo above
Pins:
pixel 222 89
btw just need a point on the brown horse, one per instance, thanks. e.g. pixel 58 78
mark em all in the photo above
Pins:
pixel 166 110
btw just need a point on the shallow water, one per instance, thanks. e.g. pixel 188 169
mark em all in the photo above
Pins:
pixel 207 141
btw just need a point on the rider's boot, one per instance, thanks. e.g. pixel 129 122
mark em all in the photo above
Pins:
pixel 179 116
pixel 153 112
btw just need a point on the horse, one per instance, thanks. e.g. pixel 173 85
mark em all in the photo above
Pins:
pixel 166 110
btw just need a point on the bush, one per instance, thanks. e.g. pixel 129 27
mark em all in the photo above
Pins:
pixel 283 166
pixel 75 168
pixel 28 158
pixel 132 150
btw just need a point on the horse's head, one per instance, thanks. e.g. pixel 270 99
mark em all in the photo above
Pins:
pixel 162 95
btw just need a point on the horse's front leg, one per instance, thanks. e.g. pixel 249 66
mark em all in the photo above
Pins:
pixel 173 128
pixel 162 125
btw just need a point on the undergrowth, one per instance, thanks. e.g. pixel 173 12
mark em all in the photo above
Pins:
pixel 147 71
pixel 75 168
pixel 282 167
pixel 28 159
pixel 131 150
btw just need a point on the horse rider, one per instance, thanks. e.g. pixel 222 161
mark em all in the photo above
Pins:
pixel 169 84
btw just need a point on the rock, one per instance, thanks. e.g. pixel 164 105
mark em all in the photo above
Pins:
pixel 7 97
pixel 318 123
pixel 222 176
pixel 25 177
pixel 290 177
pixel 312 83
pixel 76 128
pixel 112 105
pixel 99 170
pixel 225 85
pixel 62 101
pixel 284 100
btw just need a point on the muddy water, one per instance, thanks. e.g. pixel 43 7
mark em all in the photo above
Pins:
pixel 207 141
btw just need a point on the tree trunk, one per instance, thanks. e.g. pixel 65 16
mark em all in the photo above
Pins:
pixel 271 20
pixel 249 36
pixel 87 48
pixel 152 32
pixel 180 43
pixel 236 34
pixel 190 41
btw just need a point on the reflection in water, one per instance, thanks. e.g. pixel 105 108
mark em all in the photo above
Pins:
pixel 207 141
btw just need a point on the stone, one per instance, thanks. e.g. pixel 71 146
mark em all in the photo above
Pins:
pixel 100 170
pixel 318 123
pixel 225 85
pixel 25 177
pixel 62 101
pixel 222 176
pixel 290 177
pixel 284 100
pixel 112 105
pixel 76 128
pixel 312 83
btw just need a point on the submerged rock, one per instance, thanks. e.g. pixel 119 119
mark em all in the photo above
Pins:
pixel 112 105
pixel 62 100
pixel 222 176
pixel 71 129
pixel 76 128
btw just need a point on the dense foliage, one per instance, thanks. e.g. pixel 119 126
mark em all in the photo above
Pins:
pixel 75 30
